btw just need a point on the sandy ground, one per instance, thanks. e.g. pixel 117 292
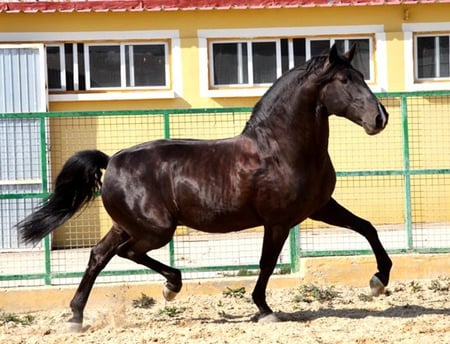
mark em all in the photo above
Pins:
pixel 410 312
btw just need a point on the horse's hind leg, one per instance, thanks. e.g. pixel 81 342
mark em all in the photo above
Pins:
pixel 274 238
pixel 334 214
pixel 172 275
pixel 101 254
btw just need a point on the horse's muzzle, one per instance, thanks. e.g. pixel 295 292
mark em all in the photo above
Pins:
pixel 382 117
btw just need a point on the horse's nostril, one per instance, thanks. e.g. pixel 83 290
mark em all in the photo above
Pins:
pixel 379 121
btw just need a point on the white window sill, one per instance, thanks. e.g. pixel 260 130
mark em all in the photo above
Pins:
pixel 429 86
pixel 234 92
pixel 253 92
pixel 99 96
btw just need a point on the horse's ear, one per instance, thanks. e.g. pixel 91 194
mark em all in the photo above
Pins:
pixel 349 54
pixel 332 56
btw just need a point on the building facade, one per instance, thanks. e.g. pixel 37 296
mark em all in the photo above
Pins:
pixel 172 54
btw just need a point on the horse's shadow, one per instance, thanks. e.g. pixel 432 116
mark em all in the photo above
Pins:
pixel 406 311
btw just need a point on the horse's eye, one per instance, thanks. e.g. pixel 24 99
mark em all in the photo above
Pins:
pixel 344 79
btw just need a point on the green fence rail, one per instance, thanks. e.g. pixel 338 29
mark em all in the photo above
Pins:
pixel 406 174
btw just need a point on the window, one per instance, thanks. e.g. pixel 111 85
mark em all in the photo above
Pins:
pixel 129 65
pixel 55 67
pixel 75 67
pixel 432 57
pixel 428 44
pixel 244 63
pixel 254 62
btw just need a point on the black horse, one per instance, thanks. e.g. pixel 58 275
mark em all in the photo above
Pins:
pixel 276 173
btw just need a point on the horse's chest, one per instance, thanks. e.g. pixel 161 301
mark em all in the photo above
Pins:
pixel 298 193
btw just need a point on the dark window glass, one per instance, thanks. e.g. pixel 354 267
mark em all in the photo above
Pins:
pixel 68 49
pixel 264 62
pixel 340 45
pixel 426 51
pixel 230 63
pixel 361 60
pixel 299 51
pixel 145 65
pixel 54 67
pixel 81 69
pixel 284 43
pixel 320 47
pixel 444 56
pixel 104 66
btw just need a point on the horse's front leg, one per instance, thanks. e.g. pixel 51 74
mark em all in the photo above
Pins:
pixel 335 214
pixel 101 254
pixel 274 238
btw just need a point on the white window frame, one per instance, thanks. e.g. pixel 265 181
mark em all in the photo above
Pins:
pixel 359 31
pixel 410 34
pixel 174 74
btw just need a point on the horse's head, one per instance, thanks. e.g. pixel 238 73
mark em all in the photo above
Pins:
pixel 345 93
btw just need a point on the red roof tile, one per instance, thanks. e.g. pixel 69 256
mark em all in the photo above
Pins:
pixel 15 6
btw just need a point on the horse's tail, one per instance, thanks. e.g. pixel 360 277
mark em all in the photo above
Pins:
pixel 76 185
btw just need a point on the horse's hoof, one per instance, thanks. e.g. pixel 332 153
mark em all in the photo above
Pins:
pixel 376 286
pixel 269 318
pixel 74 327
pixel 168 294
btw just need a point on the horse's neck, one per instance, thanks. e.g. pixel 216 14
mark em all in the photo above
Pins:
pixel 296 127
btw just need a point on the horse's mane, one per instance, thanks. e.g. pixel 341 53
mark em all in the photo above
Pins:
pixel 297 76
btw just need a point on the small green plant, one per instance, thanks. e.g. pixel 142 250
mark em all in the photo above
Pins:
pixel 284 271
pixel 144 301
pixel 415 287
pixel 11 317
pixel 170 311
pixel 245 272
pixel 234 292
pixel 310 293
pixel 441 284
pixel 365 297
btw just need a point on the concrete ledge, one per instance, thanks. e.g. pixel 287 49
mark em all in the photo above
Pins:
pixel 354 271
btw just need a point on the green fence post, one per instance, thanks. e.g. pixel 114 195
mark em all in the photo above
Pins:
pixel 44 173
pixel 407 172
pixel 166 117
pixel 294 246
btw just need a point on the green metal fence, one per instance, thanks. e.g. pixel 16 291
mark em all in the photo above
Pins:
pixel 399 180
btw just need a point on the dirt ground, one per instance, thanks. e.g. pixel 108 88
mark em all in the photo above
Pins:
pixel 410 312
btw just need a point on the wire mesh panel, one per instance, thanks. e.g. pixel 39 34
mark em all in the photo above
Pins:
pixel 429 156
pixel 72 241
pixel 195 250
pixel 370 184
pixel 399 180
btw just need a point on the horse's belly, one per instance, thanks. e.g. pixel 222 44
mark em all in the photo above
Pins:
pixel 214 221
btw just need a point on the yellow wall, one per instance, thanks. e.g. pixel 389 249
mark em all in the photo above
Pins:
pixel 112 134
pixel 188 22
